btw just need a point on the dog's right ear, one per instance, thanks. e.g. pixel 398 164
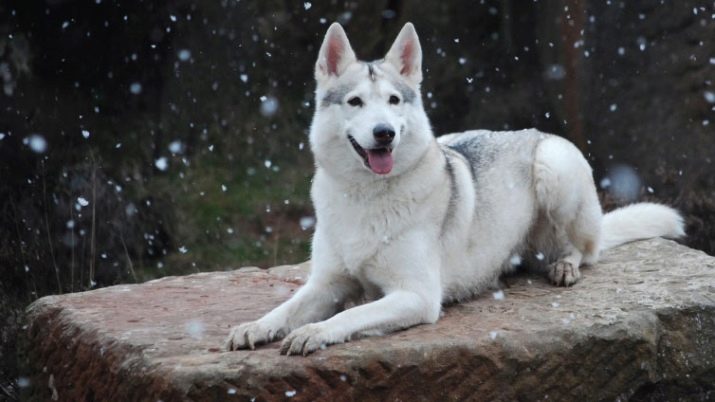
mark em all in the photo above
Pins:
pixel 335 54
pixel 406 54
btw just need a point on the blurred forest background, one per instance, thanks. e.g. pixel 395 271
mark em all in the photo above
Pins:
pixel 147 138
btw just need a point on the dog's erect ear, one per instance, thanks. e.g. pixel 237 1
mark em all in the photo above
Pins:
pixel 406 54
pixel 335 53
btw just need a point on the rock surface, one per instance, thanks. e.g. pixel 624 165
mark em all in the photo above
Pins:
pixel 640 325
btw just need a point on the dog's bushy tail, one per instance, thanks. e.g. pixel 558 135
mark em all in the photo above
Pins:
pixel 640 221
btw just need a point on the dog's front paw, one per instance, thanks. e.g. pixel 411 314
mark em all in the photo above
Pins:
pixel 564 273
pixel 307 339
pixel 250 334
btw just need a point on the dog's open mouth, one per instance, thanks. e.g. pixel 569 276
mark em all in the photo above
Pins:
pixel 379 160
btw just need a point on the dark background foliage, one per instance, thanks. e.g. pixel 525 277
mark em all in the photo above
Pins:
pixel 146 138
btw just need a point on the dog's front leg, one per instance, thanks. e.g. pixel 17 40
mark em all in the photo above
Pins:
pixel 323 294
pixel 399 309
pixel 409 276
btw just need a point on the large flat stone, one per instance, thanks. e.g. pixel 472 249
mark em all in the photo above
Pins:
pixel 640 325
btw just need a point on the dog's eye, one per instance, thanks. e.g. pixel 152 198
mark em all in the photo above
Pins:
pixel 394 100
pixel 355 101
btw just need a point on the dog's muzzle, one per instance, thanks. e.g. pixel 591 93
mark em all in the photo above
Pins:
pixel 378 159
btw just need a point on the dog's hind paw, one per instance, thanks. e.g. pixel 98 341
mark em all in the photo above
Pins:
pixel 250 334
pixel 564 273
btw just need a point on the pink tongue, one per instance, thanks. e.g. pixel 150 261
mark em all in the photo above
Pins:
pixel 380 161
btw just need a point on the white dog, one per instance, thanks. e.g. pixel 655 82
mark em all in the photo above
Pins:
pixel 406 222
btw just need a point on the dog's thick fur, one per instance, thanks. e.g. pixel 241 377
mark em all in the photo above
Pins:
pixel 421 221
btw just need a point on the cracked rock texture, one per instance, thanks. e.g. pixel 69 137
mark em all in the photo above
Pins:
pixel 639 326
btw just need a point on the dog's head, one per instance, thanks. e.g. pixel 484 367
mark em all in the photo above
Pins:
pixel 369 119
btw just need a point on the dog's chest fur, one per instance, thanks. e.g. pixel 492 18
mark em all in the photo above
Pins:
pixel 363 222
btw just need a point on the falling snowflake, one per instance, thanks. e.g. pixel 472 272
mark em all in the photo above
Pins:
pixel 642 42
pixel 176 147
pixel 307 222
pixel 269 105
pixel 161 163
pixel 195 329
pixel 515 260
pixel 23 382
pixel 605 183
pixel 555 72
pixel 135 88
pixel 36 142
pixel 184 54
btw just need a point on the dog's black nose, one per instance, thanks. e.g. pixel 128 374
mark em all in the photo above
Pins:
pixel 384 133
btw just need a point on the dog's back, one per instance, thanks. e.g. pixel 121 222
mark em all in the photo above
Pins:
pixel 501 166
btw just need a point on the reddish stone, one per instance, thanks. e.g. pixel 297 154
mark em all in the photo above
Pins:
pixel 639 325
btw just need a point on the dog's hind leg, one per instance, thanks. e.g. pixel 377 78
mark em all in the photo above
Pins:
pixel 567 197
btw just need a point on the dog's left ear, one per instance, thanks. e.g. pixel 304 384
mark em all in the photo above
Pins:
pixel 406 54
